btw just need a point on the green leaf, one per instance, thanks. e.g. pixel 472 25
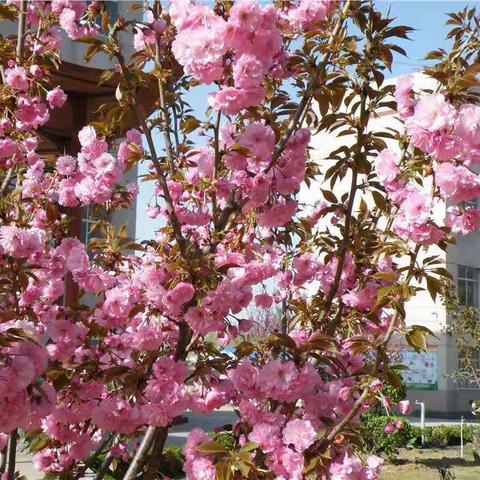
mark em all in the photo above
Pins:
pixel 311 465
pixel 249 446
pixel 38 443
pixel 211 447
pixel 93 49
pixel 416 337
pixel 224 470
pixel 236 147
pixel 189 125
pixel 379 200
pixel 105 19
pixel 443 272
pixel 434 286
pixel 329 196
pixel 394 378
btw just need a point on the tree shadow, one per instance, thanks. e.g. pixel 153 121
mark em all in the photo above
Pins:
pixel 445 462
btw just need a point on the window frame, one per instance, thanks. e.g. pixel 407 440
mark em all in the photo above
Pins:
pixel 467 279
pixel 87 222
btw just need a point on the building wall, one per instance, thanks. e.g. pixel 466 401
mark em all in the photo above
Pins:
pixel 74 52
pixel 447 400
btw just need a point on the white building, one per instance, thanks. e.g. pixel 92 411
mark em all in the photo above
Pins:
pixel 429 378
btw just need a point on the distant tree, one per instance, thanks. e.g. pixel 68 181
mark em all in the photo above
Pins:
pixel 465 328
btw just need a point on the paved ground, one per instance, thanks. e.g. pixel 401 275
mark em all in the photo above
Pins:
pixel 179 433
pixel 25 466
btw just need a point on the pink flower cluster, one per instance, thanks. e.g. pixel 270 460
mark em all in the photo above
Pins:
pixel 349 467
pixel 23 362
pixel 307 15
pixel 449 135
pixel 91 177
pixel 249 43
pixel 136 350
pixel 283 438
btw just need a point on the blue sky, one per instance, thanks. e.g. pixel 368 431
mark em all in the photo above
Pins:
pixel 426 16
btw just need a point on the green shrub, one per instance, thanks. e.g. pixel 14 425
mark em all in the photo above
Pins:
pixel 441 436
pixel 172 462
pixel 395 393
pixel 438 436
pixel 375 440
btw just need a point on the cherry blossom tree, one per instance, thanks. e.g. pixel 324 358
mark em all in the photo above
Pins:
pixel 80 379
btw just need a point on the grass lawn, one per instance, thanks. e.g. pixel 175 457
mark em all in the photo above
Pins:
pixel 424 464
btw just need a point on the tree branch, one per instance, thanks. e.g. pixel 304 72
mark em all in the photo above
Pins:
pixel 296 119
pixel 342 250
pixel 22 14
pixel 3 459
pixel 307 98
pixel 386 339
pixel 12 455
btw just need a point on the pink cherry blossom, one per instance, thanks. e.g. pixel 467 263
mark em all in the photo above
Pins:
pixel 260 140
pixel 278 214
pixel 309 14
pixel 405 407
pixel 16 77
pixel 231 100
pixel 300 434
pixel 56 98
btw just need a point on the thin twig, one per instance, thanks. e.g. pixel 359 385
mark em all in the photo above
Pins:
pixel 22 10
pixel 162 180
pixel 165 118
pixel 95 454
pixel 104 467
pixel 141 453
pixel 386 339
pixel 21 30
pixel 307 98
pixel 342 250
pixel 6 180
pixel 296 119
pixel 216 165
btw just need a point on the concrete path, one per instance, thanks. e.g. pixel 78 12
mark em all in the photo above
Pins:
pixel 431 422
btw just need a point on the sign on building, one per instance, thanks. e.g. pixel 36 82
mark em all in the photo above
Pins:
pixel 422 373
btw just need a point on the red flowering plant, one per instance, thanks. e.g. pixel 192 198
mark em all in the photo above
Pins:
pixel 82 378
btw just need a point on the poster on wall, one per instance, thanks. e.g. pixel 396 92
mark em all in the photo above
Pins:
pixel 422 373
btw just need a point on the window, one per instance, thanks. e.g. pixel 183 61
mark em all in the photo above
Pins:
pixel 87 223
pixel 467 286
pixel 470 369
